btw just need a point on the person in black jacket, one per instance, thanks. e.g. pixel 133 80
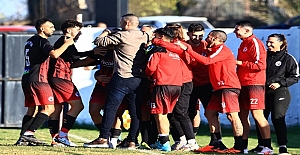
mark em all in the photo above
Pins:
pixel 282 72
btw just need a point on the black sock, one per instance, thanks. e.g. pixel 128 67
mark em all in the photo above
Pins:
pixel 38 121
pixel 163 139
pixel 145 127
pixel 238 142
pixel 27 120
pixel 174 134
pixel 98 126
pixel 53 126
pixel 195 129
pixel 69 121
pixel 218 135
pixel 213 139
pixel 267 143
pixel 153 133
pixel 115 133
pixel 245 143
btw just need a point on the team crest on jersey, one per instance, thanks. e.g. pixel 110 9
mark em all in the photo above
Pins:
pixel 223 105
pixel 245 49
pixel 278 63
pixel 77 94
pixel 51 99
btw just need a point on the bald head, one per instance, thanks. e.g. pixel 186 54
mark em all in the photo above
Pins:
pixel 221 35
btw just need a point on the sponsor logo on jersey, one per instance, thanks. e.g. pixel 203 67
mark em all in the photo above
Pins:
pixel 107 63
pixel 174 56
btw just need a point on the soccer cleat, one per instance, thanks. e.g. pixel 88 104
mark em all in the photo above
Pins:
pixel 245 151
pixel 258 148
pixel 221 146
pixel 98 142
pixel 265 151
pixel 156 145
pixel 21 142
pixel 283 151
pixel 229 151
pixel 65 141
pixel 57 144
pixel 121 143
pixel 32 139
pixel 190 147
pixel 165 147
pixel 144 146
pixel 128 146
pixel 178 145
pixel 207 148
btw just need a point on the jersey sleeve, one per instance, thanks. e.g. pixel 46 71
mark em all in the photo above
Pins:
pixel 152 64
pixel 292 73
pixel 219 55
pixel 46 46
pixel 113 39
pixel 258 53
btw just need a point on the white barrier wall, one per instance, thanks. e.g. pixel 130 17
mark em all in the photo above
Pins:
pixel 85 82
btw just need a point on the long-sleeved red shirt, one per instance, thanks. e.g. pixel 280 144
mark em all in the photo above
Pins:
pixel 187 75
pixel 200 71
pixel 222 64
pixel 252 53
pixel 165 68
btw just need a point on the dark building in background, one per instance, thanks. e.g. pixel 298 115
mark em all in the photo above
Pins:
pixel 110 11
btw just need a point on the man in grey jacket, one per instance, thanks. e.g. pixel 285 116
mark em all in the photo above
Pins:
pixel 126 42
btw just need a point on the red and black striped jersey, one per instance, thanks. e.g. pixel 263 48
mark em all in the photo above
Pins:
pixel 61 67
pixel 36 52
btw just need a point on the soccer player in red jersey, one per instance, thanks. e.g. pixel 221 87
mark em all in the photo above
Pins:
pixel 225 82
pixel 251 70
pixel 64 90
pixel 35 85
pixel 202 88
pixel 181 125
pixel 166 72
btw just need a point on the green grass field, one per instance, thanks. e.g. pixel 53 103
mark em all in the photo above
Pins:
pixel 9 136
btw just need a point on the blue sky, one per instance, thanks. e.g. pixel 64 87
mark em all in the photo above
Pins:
pixel 13 9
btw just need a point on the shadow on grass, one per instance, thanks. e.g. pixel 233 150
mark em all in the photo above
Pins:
pixel 293 133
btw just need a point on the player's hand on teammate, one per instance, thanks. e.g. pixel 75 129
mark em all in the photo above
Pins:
pixel 181 45
pixel 69 40
pixel 103 78
pixel 100 50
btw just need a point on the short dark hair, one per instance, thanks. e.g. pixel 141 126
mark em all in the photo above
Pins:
pixel 69 23
pixel 166 32
pixel 243 23
pixel 40 22
pixel 128 14
pixel 195 27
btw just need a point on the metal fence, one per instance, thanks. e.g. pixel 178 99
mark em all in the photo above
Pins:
pixel 12 107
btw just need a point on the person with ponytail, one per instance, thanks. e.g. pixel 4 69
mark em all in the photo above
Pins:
pixel 282 72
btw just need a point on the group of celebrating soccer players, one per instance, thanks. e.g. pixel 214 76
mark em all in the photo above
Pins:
pixel 161 78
